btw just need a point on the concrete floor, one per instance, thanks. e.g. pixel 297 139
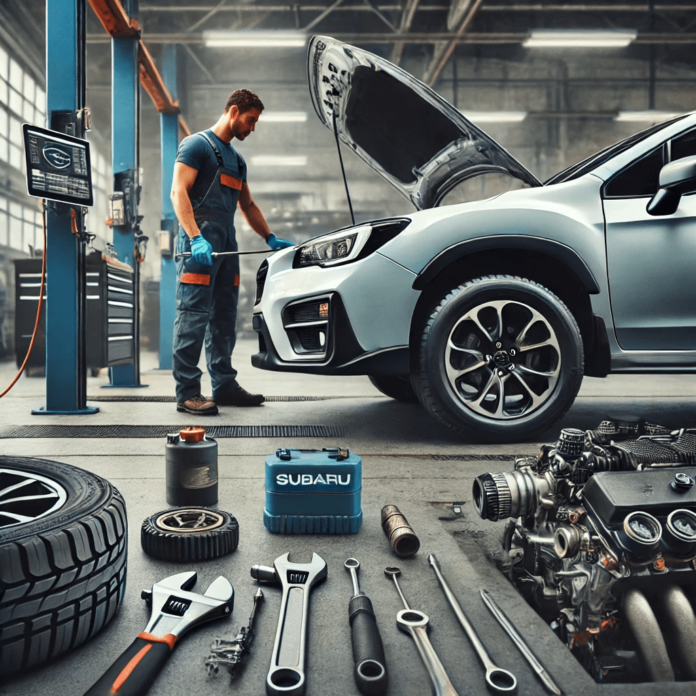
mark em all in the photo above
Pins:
pixel 408 460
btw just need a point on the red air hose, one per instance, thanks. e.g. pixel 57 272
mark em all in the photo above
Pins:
pixel 38 311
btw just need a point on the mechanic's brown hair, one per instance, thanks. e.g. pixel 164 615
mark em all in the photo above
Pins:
pixel 244 100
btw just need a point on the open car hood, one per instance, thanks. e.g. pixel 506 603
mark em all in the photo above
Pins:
pixel 404 130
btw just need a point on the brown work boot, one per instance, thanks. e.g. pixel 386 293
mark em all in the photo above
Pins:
pixel 239 397
pixel 198 406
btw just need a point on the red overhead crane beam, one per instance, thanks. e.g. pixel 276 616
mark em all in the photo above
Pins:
pixel 117 24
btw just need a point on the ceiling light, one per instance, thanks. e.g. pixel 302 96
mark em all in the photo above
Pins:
pixel 649 116
pixel 256 39
pixel 496 116
pixel 278 161
pixel 570 38
pixel 284 116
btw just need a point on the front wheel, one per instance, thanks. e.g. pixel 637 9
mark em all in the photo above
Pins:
pixel 500 359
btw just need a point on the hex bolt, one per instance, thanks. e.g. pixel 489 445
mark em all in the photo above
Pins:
pixel 498 345
pixel 513 351
pixel 501 373
pixel 511 366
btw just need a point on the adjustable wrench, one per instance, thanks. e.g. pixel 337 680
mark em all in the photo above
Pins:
pixel 286 675
pixel 175 611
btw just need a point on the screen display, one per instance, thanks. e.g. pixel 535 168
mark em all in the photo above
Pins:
pixel 58 166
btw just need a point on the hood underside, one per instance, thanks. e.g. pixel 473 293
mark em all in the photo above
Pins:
pixel 403 129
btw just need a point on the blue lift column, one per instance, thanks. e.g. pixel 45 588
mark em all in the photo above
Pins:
pixel 169 130
pixel 66 367
pixel 125 141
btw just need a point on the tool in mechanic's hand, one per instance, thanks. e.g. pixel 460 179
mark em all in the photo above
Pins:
pixel 368 653
pixel 498 680
pixel 517 639
pixel 415 623
pixel 187 254
pixel 231 652
pixel 175 611
pixel 287 672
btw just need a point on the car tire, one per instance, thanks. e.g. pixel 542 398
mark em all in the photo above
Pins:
pixel 189 534
pixel 499 335
pixel 62 567
pixel 397 387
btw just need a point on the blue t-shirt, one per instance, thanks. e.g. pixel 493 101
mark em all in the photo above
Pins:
pixel 195 151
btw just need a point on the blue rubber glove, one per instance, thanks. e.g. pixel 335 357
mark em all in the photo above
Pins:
pixel 277 244
pixel 201 250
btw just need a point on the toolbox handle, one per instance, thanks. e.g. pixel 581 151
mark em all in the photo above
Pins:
pixel 133 673
pixel 337 453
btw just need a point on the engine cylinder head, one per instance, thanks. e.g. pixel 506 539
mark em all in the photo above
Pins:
pixel 566 541
pixel 514 494
pixel 641 534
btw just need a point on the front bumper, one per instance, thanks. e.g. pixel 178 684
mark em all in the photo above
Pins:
pixel 344 320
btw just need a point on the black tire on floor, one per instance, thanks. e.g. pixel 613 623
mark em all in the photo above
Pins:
pixel 189 534
pixel 395 387
pixel 461 365
pixel 62 574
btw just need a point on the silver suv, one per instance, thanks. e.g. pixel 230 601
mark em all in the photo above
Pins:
pixel 487 312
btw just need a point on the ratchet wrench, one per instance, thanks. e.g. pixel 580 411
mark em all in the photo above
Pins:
pixel 519 642
pixel 175 610
pixel 498 680
pixel 368 652
pixel 415 623
pixel 286 675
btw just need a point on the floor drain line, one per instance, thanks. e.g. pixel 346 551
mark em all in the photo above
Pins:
pixel 153 431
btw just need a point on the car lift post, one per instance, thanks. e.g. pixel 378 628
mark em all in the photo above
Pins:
pixel 169 130
pixel 125 146
pixel 66 365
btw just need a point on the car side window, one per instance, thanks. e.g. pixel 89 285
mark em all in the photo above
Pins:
pixel 642 178
pixel 683 146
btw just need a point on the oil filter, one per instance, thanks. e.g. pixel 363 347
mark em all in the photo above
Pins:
pixel 402 538
pixel 192 473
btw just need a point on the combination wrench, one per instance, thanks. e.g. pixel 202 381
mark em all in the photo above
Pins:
pixel 286 675
pixel 368 652
pixel 498 680
pixel 415 624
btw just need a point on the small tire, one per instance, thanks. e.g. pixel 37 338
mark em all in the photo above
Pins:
pixel 500 359
pixel 187 534
pixel 395 387
pixel 62 572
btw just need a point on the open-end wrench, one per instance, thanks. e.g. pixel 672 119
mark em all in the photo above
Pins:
pixel 175 611
pixel 498 680
pixel 286 675
pixel 415 623
pixel 368 652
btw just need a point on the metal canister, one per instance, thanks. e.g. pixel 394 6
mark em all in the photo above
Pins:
pixel 192 472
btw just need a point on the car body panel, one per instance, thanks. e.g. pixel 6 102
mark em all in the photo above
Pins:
pixel 408 133
pixel 376 294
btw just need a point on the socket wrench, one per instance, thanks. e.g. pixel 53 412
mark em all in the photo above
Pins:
pixel 368 652
pixel 286 675
pixel 415 623
pixel 498 680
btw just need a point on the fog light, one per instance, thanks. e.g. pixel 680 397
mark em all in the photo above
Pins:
pixel 322 339
pixel 324 310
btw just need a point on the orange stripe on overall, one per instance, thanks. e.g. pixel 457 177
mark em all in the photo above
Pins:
pixel 195 278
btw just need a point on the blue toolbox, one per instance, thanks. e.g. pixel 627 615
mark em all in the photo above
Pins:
pixel 313 491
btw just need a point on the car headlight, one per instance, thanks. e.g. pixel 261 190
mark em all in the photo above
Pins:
pixel 333 248
pixel 349 244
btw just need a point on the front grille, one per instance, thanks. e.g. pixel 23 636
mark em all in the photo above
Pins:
pixel 311 338
pixel 261 281
pixel 309 311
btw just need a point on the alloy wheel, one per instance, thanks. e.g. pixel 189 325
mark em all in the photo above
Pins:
pixel 25 497
pixel 503 359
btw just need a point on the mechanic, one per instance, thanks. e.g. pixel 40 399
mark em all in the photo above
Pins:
pixel 209 182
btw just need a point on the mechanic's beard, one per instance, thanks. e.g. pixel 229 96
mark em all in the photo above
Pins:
pixel 238 133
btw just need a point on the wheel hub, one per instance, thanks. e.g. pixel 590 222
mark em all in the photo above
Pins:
pixel 503 359
pixel 25 497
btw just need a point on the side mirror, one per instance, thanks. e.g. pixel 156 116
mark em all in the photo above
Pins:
pixel 676 179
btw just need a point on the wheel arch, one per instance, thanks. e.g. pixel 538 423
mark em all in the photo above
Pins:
pixel 551 264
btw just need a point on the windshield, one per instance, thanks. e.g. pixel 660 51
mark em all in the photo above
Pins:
pixel 599 158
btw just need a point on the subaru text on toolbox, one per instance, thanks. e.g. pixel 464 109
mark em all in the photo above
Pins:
pixel 488 312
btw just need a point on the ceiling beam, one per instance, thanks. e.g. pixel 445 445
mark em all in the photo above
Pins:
pixel 463 13
pixel 417 38
pixel 407 15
